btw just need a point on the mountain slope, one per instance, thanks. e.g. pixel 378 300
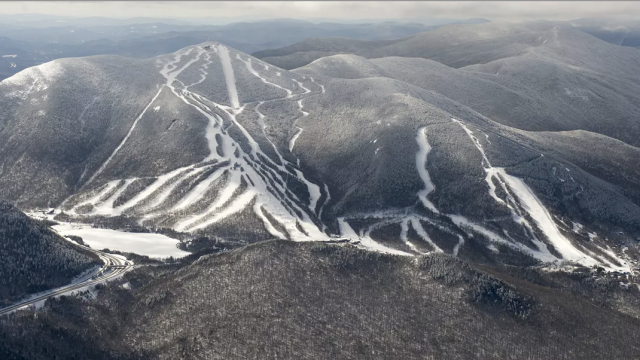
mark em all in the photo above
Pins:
pixel 211 142
pixel 33 258
pixel 559 80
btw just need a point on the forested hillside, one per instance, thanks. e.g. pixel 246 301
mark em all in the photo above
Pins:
pixel 34 258
pixel 282 299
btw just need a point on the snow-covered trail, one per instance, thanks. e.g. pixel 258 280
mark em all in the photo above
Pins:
pixel 347 232
pixel 292 141
pixel 528 202
pixel 229 76
pixel 415 223
pixel 328 198
pixel 104 207
pixel 151 189
pixel 161 195
pixel 204 74
pixel 98 195
pixel 235 206
pixel 198 191
pixel 170 76
pixel 133 126
pixel 541 216
pixel 306 90
pixel 255 73
pixel 223 197
pixel 421 163
pixel 257 209
pixel 404 235
pixel 275 208
pixel 321 86
pixel 243 175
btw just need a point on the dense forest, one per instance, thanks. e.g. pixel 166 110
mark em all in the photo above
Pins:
pixel 34 258
pixel 282 299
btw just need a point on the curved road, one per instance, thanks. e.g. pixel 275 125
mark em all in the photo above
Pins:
pixel 113 267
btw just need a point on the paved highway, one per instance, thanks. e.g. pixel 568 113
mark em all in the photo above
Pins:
pixel 113 267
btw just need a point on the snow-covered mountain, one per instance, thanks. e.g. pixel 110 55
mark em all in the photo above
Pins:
pixel 209 141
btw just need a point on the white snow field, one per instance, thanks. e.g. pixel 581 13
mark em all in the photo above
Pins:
pixel 152 245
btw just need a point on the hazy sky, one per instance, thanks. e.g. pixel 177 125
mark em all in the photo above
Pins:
pixel 499 10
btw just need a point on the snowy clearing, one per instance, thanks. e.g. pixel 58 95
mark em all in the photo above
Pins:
pixel 153 245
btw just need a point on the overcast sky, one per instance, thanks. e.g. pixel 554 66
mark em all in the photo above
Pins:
pixel 499 10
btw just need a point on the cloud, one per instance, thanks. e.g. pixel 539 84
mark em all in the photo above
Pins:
pixel 498 10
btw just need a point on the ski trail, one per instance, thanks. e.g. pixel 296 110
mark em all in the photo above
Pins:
pixel 326 191
pixel 489 169
pixel 267 224
pixel 171 73
pixel 204 74
pixel 292 142
pixel 170 76
pixel 306 91
pixel 532 206
pixel 347 232
pixel 133 126
pixel 198 191
pixel 463 222
pixel 458 245
pixel 149 190
pixel 321 86
pixel 81 117
pixel 403 236
pixel 314 190
pixel 415 223
pixel 221 199
pixel 249 66
pixel 539 213
pixel 229 77
pixel 164 194
pixel 421 163
pixel 304 113
pixel 106 206
pixel 261 119
pixel 92 200
pixel 235 206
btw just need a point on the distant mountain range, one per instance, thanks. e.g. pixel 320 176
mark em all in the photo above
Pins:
pixel 35 39
pixel 456 45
